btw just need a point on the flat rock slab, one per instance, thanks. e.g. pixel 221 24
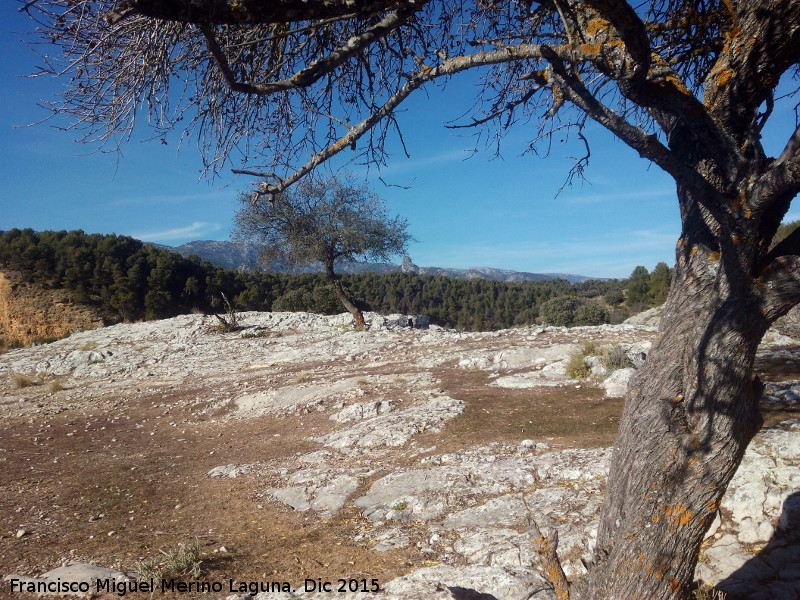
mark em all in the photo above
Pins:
pixel 395 429
pixel 440 583
pixel 75 573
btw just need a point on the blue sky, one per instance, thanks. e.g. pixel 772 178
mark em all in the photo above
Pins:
pixel 465 212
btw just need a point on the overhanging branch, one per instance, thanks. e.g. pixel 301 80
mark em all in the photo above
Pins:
pixel 422 76
pixel 780 286
pixel 779 183
pixel 317 69
pixel 647 145
pixel 229 12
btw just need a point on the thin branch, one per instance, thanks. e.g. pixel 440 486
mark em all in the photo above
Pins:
pixel 791 152
pixel 546 548
pixel 509 107
pixel 647 145
pixel 238 12
pixel 317 69
pixel 781 181
pixel 255 174
pixel 416 80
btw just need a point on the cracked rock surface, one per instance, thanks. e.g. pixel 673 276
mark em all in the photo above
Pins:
pixel 381 402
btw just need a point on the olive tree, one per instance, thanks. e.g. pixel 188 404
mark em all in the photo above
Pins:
pixel 325 220
pixel 687 84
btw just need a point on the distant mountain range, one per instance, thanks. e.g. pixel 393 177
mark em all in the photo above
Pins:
pixel 244 257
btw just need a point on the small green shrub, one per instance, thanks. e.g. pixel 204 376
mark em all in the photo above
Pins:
pixel 614 358
pixel 591 313
pixel 560 311
pixel 576 365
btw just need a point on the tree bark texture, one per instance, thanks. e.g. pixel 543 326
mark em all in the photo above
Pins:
pixel 689 415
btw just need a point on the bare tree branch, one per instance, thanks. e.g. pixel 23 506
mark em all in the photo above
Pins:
pixel 546 548
pixel 220 12
pixel 419 78
pixel 760 44
pixel 317 69
pixel 771 194
pixel 791 152
pixel 780 283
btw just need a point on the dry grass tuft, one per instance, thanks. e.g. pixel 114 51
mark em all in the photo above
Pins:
pixel 182 561
pixel 20 380
pixel 55 386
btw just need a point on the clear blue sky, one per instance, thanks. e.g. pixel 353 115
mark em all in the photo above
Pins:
pixel 502 213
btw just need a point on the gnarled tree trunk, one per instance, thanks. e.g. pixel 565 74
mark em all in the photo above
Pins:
pixel 689 415
pixel 358 316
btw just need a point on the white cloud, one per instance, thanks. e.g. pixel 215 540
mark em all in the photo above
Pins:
pixel 196 229
pixel 401 166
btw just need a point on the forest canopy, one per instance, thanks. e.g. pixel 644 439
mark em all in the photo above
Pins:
pixel 130 280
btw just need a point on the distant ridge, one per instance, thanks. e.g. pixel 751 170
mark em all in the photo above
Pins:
pixel 244 257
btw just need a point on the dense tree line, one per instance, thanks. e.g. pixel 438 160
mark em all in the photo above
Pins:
pixel 645 289
pixel 129 280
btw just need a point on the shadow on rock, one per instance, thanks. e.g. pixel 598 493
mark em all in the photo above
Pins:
pixel 460 593
pixel 773 573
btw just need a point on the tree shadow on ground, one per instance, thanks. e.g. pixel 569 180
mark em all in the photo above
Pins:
pixel 460 593
pixel 773 573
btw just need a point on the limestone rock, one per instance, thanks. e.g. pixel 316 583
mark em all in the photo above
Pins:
pixel 616 385
pixel 395 429
pixel 363 410
pixel 75 573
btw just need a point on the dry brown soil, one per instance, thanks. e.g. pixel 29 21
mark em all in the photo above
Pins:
pixel 119 480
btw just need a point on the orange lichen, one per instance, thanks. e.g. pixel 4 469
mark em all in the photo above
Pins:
pixel 724 76
pixel 595 26
pixel 680 514
pixel 713 256
pixel 337 146
pixel 591 49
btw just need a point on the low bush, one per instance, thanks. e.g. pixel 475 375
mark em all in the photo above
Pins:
pixel 182 561
pixel 614 358
pixel 576 364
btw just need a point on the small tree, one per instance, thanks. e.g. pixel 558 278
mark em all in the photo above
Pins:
pixel 638 287
pixel 660 280
pixel 323 220
pixel 591 313
pixel 560 311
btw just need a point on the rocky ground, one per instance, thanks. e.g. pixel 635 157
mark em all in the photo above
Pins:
pixel 299 449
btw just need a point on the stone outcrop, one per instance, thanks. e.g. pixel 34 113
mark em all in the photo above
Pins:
pixel 377 398
pixel 29 312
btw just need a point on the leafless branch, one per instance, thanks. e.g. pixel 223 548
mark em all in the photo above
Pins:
pixel 317 69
